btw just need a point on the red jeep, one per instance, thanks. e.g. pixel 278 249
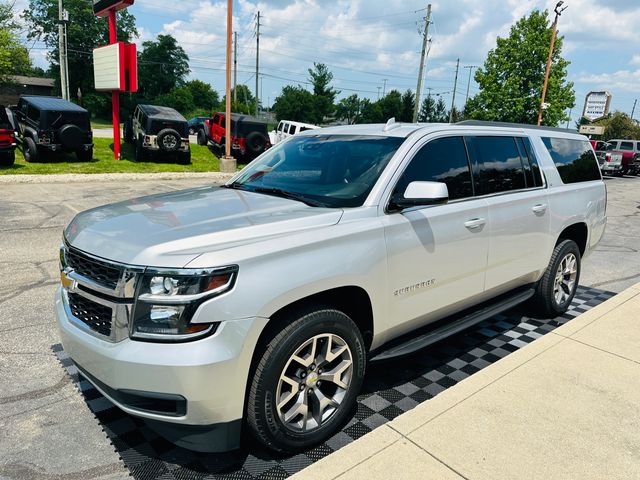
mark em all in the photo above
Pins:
pixel 7 138
pixel 249 137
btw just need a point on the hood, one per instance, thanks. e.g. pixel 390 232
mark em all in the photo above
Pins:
pixel 170 230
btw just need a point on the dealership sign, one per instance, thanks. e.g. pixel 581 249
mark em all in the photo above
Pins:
pixel 596 105
pixel 115 68
pixel 102 7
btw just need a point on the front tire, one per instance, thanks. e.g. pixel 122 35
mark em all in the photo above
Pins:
pixel 558 285
pixel 306 380
pixel 7 159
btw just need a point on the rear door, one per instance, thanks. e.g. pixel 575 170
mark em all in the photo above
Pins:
pixel 436 255
pixel 509 179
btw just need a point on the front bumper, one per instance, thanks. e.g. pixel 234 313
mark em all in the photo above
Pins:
pixel 210 374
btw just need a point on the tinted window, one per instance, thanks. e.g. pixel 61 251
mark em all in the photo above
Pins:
pixel 626 145
pixel 441 160
pixel 574 159
pixel 533 161
pixel 280 125
pixel 499 164
pixel 286 128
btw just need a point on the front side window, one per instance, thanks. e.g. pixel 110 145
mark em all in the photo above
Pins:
pixel 499 164
pixel 441 160
pixel 627 146
pixel 574 159
pixel 321 170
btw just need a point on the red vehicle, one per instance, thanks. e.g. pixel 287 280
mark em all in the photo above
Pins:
pixel 622 157
pixel 249 137
pixel 7 139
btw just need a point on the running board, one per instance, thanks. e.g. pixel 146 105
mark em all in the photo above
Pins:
pixel 451 326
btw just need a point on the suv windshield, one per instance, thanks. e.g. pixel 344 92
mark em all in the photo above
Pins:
pixel 322 170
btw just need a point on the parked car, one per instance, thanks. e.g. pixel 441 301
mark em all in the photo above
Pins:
pixel 249 137
pixel 195 124
pixel 7 138
pixel 259 304
pixel 622 157
pixel 158 132
pixel 50 125
pixel 600 147
pixel 287 128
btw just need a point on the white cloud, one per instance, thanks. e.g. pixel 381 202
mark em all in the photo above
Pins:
pixel 625 80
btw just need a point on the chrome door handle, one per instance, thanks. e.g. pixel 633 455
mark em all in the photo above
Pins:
pixel 474 223
pixel 540 208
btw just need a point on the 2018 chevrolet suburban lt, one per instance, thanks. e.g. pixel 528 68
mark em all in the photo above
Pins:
pixel 256 306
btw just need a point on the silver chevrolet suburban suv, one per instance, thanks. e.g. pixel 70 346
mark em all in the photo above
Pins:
pixel 257 305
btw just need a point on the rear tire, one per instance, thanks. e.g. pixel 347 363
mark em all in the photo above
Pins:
pixel 30 150
pixel 299 396
pixel 84 155
pixel 184 158
pixel 557 287
pixel 139 151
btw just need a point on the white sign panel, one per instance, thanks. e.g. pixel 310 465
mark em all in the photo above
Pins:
pixel 107 67
pixel 596 105
pixel 592 129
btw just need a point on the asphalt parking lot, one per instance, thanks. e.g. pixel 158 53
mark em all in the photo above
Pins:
pixel 46 429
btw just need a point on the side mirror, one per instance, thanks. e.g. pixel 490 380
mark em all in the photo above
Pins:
pixel 420 194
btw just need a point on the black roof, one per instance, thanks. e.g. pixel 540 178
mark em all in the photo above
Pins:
pixel 52 103
pixel 166 113
pixel 483 123
pixel 239 117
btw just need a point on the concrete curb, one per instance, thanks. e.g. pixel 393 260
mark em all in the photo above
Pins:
pixel 111 177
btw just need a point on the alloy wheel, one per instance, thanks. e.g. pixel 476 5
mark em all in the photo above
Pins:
pixel 314 382
pixel 565 280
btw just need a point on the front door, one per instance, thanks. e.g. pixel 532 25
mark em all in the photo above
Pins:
pixel 436 255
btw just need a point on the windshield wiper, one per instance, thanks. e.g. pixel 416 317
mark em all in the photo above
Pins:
pixel 290 195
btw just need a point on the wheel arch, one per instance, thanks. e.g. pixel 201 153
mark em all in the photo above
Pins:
pixel 578 232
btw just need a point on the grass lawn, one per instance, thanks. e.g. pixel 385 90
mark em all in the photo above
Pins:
pixel 202 160
pixel 101 123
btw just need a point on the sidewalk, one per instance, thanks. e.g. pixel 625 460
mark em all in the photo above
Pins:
pixel 564 406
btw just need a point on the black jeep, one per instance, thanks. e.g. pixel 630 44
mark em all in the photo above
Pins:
pixel 53 125
pixel 158 131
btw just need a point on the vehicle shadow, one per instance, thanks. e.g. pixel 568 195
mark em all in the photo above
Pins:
pixel 391 388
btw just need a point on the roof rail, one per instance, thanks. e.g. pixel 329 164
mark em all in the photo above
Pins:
pixel 483 123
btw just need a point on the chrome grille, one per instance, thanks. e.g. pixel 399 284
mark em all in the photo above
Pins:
pixel 98 271
pixel 96 316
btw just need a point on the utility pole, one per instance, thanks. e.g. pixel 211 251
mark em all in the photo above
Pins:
pixel 228 164
pixel 384 87
pixel 235 71
pixel 633 110
pixel 423 57
pixel 257 59
pixel 470 67
pixel 62 51
pixel 554 27
pixel 378 87
pixel 455 86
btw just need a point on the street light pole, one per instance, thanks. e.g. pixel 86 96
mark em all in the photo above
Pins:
pixel 558 10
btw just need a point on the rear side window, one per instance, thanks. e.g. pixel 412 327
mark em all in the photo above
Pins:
pixel 533 162
pixel 574 159
pixel 499 164
pixel 441 160
pixel 628 146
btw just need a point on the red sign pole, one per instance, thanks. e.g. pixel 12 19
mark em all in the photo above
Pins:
pixel 115 95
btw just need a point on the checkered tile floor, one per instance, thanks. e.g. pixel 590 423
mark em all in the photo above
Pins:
pixel 390 388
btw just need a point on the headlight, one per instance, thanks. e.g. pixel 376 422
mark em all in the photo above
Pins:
pixel 167 300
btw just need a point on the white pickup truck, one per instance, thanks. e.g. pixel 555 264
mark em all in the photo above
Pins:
pixel 256 306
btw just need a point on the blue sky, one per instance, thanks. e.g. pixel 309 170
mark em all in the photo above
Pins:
pixel 374 45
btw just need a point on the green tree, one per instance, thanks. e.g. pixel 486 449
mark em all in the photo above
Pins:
pixel 85 32
pixel 391 105
pixel 619 125
pixel 513 73
pixel 14 57
pixel 440 114
pixel 162 66
pixel 371 112
pixel 349 108
pixel 246 101
pixel 457 115
pixel 179 98
pixel 204 96
pixel 295 103
pixel 324 95
pixel 427 110
pixel 408 105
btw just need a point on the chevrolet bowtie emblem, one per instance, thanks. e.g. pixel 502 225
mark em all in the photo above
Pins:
pixel 67 283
